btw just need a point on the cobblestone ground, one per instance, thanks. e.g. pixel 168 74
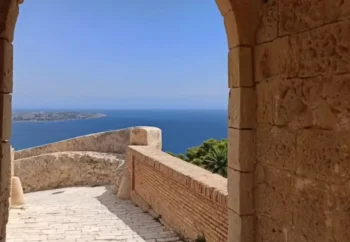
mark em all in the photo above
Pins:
pixel 83 214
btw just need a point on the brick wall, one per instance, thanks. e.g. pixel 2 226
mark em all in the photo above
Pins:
pixel 187 198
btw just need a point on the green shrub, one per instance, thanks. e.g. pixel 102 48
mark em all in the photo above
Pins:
pixel 210 155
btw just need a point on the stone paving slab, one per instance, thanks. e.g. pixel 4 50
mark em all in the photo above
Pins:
pixel 83 214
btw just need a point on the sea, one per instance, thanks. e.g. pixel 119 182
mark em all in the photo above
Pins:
pixel 181 129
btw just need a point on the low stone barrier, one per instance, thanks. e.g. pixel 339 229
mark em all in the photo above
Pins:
pixel 73 168
pixel 187 198
pixel 115 141
pixel 95 159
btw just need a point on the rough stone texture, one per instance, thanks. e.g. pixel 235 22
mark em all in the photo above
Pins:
pixel 63 169
pixel 5 176
pixel 83 214
pixel 188 198
pixel 143 135
pixel 336 10
pixel 241 228
pixel 6 116
pixel 242 108
pixel 240 70
pixel 236 15
pixel 328 159
pixel 302 175
pixel 241 149
pixel 282 101
pixel 8 18
pixel 276 147
pixel 302 103
pixel 275 58
pixel 324 50
pixel 273 189
pixel 311 211
pixel 300 15
pixel 240 188
pixel 107 142
pixel 268 25
pixel 6 66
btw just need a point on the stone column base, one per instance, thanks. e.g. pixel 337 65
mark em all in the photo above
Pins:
pixel 17 198
pixel 124 188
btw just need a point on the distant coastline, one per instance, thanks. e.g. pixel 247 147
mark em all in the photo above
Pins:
pixel 53 116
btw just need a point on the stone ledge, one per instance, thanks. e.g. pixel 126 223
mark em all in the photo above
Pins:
pixel 115 141
pixel 209 185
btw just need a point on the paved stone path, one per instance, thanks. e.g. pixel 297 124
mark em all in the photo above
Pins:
pixel 83 214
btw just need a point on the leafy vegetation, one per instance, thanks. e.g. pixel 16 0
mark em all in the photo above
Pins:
pixel 211 155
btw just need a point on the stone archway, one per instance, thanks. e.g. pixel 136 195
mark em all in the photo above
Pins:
pixel 240 38
pixel 8 17
pixel 241 20
pixel 289 121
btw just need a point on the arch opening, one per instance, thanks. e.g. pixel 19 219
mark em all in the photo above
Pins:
pixel 241 117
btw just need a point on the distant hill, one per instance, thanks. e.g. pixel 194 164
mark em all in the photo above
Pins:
pixel 53 116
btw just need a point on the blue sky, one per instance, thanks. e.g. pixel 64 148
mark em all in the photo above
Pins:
pixel 120 54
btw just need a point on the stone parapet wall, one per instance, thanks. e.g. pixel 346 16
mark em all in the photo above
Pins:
pixel 64 169
pixel 189 199
pixel 115 141
pixel 95 159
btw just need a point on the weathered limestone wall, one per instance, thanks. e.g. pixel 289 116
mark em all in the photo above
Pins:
pixel 65 169
pixel 94 159
pixel 302 76
pixel 187 198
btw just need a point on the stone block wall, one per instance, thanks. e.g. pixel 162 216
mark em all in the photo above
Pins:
pixel 189 199
pixel 302 80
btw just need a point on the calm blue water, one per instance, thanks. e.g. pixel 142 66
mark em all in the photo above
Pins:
pixel 181 128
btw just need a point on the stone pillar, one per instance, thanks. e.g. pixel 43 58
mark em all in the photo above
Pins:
pixel 241 136
pixel 8 18
pixel 124 188
pixel 241 115
pixel 150 136
pixel 143 135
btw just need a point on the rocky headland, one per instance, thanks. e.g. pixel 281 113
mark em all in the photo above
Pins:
pixel 53 116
